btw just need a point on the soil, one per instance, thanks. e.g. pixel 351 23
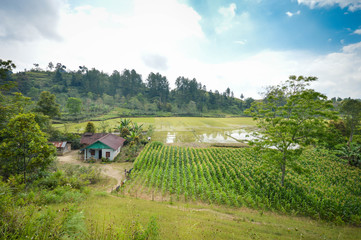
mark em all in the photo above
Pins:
pixel 112 170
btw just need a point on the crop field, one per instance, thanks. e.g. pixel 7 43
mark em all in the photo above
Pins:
pixel 323 188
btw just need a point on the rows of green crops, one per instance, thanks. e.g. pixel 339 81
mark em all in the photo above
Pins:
pixel 325 188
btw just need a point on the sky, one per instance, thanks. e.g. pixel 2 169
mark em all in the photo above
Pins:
pixel 245 45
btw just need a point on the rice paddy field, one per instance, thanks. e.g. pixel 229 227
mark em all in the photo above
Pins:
pixel 183 129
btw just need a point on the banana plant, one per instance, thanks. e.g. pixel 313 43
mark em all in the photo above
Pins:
pixel 137 128
pixel 124 123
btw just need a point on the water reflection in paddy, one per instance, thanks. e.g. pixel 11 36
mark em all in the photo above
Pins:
pixel 199 136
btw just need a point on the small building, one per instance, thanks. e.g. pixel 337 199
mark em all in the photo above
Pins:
pixel 62 147
pixel 101 145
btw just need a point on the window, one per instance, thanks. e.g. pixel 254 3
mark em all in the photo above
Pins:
pixel 92 152
pixel 107 154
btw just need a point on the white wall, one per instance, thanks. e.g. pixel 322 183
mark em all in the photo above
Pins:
pixel 113 153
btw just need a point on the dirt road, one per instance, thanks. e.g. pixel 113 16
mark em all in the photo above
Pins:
pixel 113 170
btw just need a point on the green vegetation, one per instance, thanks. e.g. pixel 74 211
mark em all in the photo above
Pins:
pixel 205 189
pixel 24 147
pixel 321 186
pixel 90 128
pixel 47 105
pixel 49 207
pixel 188 221
pixel 89 93
pixel 351 111
pixel 289 118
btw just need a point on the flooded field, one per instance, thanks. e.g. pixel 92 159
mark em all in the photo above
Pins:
pixel 187 129
pixel 204 136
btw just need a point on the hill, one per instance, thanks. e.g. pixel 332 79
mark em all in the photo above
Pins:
pixel 128 93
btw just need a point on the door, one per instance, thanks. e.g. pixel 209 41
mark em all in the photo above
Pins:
pixel 100 154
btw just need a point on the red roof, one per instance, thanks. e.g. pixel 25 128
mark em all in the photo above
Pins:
pixel 112 141
pixel 108 139
pixel 59 144
pixel 89 138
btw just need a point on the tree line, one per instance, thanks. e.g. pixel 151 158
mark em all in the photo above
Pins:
pixel 100 91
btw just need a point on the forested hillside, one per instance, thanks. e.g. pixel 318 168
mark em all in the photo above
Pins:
pixel 128 91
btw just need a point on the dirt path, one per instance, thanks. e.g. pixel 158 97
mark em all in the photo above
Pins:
pixel 112 170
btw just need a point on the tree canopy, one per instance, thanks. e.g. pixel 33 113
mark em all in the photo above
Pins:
pixel 74 105
pixel 24 148
pixel 290 117
pixel 90 127
pixel 47 105
pixel 351 111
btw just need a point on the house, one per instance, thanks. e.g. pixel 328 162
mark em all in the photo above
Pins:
pixel 62 147
pixel 88 138
pixel 101 145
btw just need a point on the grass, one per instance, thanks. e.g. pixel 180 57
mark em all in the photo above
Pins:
pixel 198 221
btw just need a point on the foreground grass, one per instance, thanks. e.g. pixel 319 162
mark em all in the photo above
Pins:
pixel 197 221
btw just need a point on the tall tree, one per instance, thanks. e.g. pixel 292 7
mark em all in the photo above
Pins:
pixel 290 116
pixel 11 104
pixel 47 105
pixel 6 68
pixel 158 87
pixel 131 83
pixel 24 148
pixel 351 111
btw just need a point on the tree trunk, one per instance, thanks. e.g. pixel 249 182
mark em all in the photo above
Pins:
pixel 25 170
pixel 283 168
pixel 350 139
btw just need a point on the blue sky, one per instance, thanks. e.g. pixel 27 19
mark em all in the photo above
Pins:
pixel 242 44
pixel 280 25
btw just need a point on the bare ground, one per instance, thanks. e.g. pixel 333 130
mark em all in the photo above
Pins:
pixel 112 170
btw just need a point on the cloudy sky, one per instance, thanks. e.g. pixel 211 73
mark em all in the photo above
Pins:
pixel 242 44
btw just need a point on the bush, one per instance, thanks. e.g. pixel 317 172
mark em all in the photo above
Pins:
pixel 105 160
pixel 90 160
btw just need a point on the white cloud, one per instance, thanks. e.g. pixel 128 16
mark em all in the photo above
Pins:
pixel 169 39
pixel 339 73
pixel 226 22
pixel 97 38
pixel 290 14
pixel 29 20
pixel 230 20
pixel 357 31
pixel 241 42
pixel 352 5
pixel 228 12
